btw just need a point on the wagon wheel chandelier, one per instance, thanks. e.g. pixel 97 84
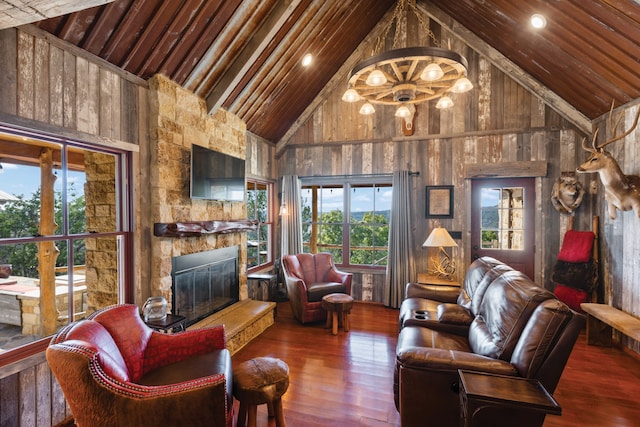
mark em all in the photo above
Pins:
pixel 407 76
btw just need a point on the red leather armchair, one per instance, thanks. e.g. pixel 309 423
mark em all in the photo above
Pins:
pixel 309 277
pixel 116 371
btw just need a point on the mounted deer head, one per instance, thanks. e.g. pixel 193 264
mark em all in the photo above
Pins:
pixel 621 191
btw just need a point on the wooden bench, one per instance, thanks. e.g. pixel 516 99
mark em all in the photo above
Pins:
pixel 602 319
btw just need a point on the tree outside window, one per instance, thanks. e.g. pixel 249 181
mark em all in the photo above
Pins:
pixel 61 230
pixel 350 220
pixel 259 207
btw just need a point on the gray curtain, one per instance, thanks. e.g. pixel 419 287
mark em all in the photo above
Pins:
pixel 291 216
pixel 401 263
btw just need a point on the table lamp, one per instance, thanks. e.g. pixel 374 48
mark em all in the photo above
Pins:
pixel 440 238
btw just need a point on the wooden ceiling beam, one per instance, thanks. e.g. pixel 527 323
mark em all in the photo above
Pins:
pixel 20 12
pixel 338 79
pixel 261 38
pixel 277 69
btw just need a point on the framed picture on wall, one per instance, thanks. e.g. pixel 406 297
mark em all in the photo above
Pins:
pixel 439 201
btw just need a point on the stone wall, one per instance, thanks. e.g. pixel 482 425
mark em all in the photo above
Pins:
pixel 101 211
pixel 178 119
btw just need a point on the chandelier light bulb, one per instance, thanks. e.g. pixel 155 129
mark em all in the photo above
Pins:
pixel 444 102
pixel 376 78
pixel 403 112
pixel 351 96
pixel 462 85
pixel 432 73
pixel 367 109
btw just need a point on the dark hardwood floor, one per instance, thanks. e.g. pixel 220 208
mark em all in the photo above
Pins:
pixel 346 380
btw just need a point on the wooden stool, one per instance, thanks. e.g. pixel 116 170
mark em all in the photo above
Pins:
pixel 338 307
pixel 257 381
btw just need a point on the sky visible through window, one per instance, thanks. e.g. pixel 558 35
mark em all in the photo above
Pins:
pixel 25 180
pixel 334 200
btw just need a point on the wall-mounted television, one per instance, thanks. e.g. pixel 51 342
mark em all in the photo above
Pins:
pixel 216 176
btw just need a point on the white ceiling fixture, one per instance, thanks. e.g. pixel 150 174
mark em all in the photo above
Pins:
pixel 538 21
pixel 307 60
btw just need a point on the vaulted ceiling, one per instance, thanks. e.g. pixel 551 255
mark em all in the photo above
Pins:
pixel 244 55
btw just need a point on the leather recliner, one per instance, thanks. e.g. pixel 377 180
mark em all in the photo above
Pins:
pixel 116 371
pixel 450 308
pixel 309 277
pixel 517 329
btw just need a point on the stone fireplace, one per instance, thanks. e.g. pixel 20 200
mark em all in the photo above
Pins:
pixel 182 120
pixel 179 119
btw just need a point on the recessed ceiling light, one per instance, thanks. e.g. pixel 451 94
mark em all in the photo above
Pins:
pixel 307 59
pixel 538 21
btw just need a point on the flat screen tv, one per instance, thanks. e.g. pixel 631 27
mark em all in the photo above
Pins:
pixel 216 176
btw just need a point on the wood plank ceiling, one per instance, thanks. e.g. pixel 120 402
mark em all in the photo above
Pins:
pixel 244 55
pixel 587 54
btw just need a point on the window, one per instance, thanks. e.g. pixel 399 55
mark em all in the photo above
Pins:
pixel 260 208
pixel 502 218
pixel 348 217
pixel 64 232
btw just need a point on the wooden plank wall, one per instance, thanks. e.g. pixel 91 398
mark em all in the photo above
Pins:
pixel 56 88
pixel 261 158
pixel 497 122
pixel 620 237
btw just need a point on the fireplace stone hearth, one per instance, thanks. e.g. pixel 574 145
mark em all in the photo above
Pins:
pixel 243 321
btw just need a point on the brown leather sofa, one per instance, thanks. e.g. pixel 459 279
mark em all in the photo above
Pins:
pixel 450 308
pixel 115 371
pixel 502 323
pixel 309 277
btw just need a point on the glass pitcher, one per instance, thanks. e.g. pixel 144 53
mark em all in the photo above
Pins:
pixel 154 309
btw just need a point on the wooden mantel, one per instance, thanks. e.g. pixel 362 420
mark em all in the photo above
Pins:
pixel 199 228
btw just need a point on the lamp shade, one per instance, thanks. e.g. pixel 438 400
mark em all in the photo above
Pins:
pixel 444 102
pixel 439 238
pixel 432 73
pixel 367 109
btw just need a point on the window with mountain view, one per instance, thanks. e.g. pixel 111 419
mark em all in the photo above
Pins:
pixel 349 219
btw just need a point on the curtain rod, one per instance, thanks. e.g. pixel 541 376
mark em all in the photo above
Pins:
pixel 372 175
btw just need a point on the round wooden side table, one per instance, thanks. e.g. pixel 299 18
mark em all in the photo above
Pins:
pixel 257 381
pixel 338 308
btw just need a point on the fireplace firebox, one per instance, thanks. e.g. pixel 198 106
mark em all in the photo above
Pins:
pixel 204 283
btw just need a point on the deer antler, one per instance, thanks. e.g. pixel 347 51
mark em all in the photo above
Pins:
pixel 614 128
pixel 615 138
pixel 593 147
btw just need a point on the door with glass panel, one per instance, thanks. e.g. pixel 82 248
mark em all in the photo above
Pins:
pixel 502 221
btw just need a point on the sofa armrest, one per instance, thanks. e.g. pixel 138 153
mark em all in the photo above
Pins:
pixel 426 383
pixel 297 289
pixel 433 292
pixel 335 275
pixel 454 314
pixel 437 359
pixel 202 403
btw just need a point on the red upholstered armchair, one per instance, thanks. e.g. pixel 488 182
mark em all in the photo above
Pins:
pixel 116 371
pixel 309 277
